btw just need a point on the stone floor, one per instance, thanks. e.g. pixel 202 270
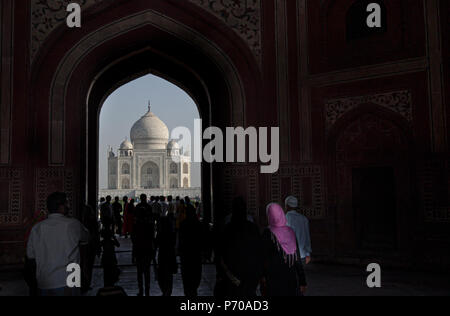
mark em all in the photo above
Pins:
pixel 324 280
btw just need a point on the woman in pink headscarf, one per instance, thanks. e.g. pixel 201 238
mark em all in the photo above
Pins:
pixel 284 274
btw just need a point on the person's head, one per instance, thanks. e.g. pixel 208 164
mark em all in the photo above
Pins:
pixel 181 202
pixel 291 204
pixel 143 198
pixel 156 198
pixel 125 199
pixel 239 212
pixel 177 199
pixel 275 215
pixel 116 199
pixel 190 211
pixel 132 201
pixel 187 200
pixel 108 199
pixel 106 234
pixel 170 198
pixel 102 200
pixel 57 203
pixel 162 198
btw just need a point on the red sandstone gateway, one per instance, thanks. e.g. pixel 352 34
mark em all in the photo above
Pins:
pixel 363 114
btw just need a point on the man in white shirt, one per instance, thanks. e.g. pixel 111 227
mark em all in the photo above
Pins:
pixel 300 224
pixel 53 245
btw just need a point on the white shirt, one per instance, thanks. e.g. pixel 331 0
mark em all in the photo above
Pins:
pixel 54 244
pixel 300 224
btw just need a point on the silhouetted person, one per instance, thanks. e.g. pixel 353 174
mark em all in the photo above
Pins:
pixel 89 220
pixel 240 257
pixel 128 217
pixel 187 200
pixel 53 244
pixel 143 237
pixel 167 263
pixel 29 273
pixel 106 214
pixel 109 260
pixel 190 241
pixel 117 210
pixel 283 268
pixel 300 224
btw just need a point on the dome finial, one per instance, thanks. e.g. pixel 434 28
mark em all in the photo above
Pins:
pixel 149 106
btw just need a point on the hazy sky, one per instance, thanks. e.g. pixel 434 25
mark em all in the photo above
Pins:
pixel 129 103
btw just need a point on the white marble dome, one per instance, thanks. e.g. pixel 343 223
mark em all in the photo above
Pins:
pixel 149 133
pixel 173 145
pixel 126 145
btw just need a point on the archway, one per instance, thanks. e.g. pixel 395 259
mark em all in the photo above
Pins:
pixel 150 176
pixel 129 40
pixel 173 168
pixel 369 175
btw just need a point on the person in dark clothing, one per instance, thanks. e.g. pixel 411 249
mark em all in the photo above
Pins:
pixel 143 240
pixel 167 262
pixel 283 268
pixel 190 249
pixel 241 254
pixel 109 261
pixel 106 214
pixel 128 217
pixel 89 220
pixel 117 211
pixel 130 221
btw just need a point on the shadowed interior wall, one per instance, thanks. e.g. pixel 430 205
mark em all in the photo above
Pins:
pixel 344 108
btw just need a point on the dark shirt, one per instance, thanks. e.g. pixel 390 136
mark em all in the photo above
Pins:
pixel 191 240
pixel 144 231
pixel 242 253
pixel 117 210
pixel 282 279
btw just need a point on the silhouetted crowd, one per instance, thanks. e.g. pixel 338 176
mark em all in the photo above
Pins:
pixel 169 235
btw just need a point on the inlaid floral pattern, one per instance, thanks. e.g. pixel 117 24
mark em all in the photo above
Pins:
pixel 398 101
pixel 243 16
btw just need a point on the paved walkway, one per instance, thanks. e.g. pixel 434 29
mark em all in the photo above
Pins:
pixel 324 280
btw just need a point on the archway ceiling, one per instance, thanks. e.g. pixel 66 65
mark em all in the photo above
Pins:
pixel 242 16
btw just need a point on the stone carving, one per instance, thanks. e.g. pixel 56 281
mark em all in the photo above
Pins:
pixel 250 174
pixel 296 175
pixel 430 175
pixel 12 181
pixel 46 16
pixel 52 180
pixel 398 101
pixel 243 16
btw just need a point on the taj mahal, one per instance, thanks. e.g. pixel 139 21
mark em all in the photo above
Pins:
pixel 149 163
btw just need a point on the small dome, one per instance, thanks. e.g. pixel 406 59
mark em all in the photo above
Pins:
pixel 126 145
pixel 173 145
pixel 149 132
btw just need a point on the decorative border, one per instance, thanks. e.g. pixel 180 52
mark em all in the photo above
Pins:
pixel 397 101
pixel 250 173
pixel 14 212
pixel 46 16
pixel 433 213
pixel 43 178
pixel 6 82
pixel 296 174
pixel 242 16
